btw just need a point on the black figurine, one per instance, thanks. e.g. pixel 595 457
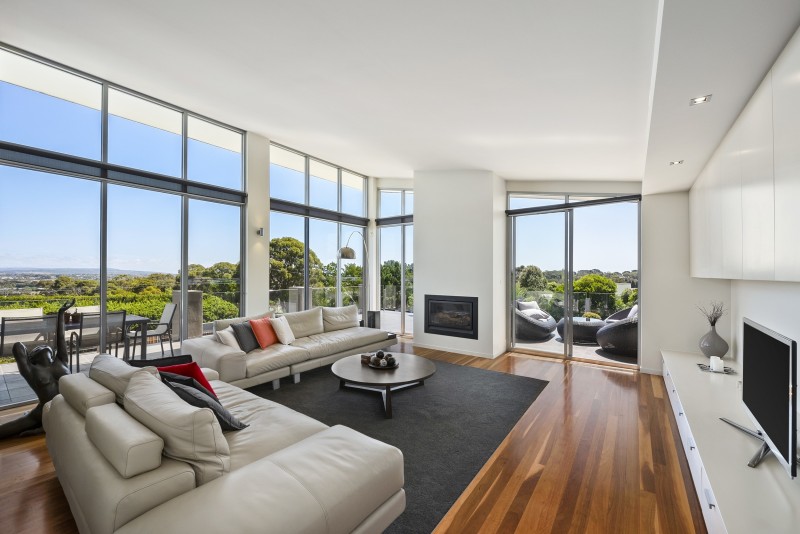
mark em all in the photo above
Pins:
pixel 42 370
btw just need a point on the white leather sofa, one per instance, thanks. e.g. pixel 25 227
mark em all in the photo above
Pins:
pixel 158 464
pixel 324 335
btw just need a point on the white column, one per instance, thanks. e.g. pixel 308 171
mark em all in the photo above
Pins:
pixel 256 254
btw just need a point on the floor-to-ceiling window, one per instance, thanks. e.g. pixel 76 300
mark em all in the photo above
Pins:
pixel 396 239
pixel 317 209
pixel 115 199
pixel 575 274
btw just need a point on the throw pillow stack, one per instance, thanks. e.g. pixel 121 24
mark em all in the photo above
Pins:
pixel 250 335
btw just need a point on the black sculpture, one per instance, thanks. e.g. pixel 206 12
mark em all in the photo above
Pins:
pixel 42 370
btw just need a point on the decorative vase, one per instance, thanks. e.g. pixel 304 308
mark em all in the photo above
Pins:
pixel 712 344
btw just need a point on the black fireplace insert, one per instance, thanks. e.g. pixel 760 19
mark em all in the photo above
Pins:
pixel 451 316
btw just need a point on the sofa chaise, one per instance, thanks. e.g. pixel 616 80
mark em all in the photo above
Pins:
pixel 323 335
pixel 158 464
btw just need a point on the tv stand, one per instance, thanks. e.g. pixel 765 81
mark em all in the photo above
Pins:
pixel 762 452
pixel 735 499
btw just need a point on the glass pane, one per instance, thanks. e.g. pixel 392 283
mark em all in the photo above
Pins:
pixel 287 172
pixel 390 289
pixel 539 282
pixel 44 107
pixel 143 135
pixel 389 203
pixel 286 262
pixel 409 207
pixel 214 253
pixel 144 255
pixel 352 193
pixel 353 270
pixel 516 202
pixel 214 154
pixel 323 248
pixel 409 289
pixel 323 186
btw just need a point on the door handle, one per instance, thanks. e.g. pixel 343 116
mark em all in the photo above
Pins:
pixel 709 499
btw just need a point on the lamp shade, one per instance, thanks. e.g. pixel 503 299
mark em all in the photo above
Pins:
pixel 347 253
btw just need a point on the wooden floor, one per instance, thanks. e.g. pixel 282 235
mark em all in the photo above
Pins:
pixel 596 452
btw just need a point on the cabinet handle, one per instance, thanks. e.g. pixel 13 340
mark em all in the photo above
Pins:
pixel 709 499
pixel 680 413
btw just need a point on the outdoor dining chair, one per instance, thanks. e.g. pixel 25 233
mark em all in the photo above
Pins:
pixel 88 334
pixel 30 331
pixel 161 329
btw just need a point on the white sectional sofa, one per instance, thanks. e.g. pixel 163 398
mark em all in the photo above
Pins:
pixel 323 335
pixel 158 464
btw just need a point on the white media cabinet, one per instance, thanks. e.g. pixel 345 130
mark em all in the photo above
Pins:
pixel 735 498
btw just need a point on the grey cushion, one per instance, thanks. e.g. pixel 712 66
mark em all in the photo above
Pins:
pixel 245 336
pixel 339 318
pixel 190 434
pixel 305 323
pixel 201 399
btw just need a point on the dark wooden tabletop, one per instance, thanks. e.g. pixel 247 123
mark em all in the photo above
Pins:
pixel 411 369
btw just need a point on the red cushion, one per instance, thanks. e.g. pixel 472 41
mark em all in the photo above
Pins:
pixel 191 370
pixel 264 332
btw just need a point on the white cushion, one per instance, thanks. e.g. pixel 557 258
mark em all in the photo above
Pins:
pixel 114 374
pixel 532 305
pixel 305 323
pixel 227 337
pixel 129 446
pixel 536 314
pixel 339 318
pixel 634 311
pixel 190 434
pixel 82 393
pixel 282 330
pixel 222 324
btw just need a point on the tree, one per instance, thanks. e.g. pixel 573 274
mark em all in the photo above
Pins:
pixel 532 278
pixel 597 288
pixel 286 263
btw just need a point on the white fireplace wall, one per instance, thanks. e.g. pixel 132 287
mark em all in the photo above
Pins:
pixel 460 250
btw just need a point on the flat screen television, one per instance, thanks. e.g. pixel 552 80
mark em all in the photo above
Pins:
pixel 769 385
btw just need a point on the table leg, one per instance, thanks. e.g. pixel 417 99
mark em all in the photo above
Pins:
pixel 341 384
pixel 143 330
pixel 387 402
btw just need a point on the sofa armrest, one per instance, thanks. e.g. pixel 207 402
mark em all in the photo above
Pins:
pixel 210 373
pixel 229 362
pixel 297 497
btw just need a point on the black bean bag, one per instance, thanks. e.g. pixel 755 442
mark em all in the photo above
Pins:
pixel 621 337
pixel 533 329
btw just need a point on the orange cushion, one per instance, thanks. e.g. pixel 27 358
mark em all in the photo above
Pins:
pixel 264 332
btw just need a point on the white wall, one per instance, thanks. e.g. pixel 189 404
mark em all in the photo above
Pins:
pixel 669 318
pixel 460 249
pixel 256 298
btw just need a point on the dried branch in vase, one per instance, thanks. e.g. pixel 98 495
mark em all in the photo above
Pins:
pixel 713 313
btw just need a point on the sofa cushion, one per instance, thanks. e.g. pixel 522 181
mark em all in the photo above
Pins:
pixel 245 336
pixel 305 323
pixel 190 434
pixel 114 374
pixel 329 343
pixel 339 318
pixel 191 370
pixel 222 324
pixel 634 311
pixel 227 337
pixel 282 330
pixel 523 305
pixel 188 381
pixel 82 393
pixel 274 357
pixel 264 332
pixel 202 399
pixel 272 426
pixel 129 446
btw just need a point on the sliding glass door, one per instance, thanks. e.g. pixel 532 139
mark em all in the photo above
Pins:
pixel 575 277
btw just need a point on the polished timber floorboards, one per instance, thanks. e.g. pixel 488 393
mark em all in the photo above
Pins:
pixel 598 451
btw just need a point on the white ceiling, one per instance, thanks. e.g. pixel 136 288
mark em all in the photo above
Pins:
pixel 529 89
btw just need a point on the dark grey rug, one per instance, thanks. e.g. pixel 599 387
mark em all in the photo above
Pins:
pixel 447 428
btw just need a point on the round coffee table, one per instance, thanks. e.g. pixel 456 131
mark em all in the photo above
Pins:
pixel 412 372
pixel 583 330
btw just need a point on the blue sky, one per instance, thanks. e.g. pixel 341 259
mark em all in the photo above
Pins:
pixel 47 220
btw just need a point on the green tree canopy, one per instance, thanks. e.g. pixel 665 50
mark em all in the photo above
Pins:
pixel 595 283
pixel 532 278
pixel 286 263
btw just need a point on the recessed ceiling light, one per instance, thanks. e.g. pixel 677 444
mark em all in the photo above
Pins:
pixel 676 162
pixel 700 100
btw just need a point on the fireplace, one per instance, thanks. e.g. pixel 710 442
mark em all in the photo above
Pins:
pixel 451 316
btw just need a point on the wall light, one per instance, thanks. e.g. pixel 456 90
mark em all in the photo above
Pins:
pixel 260 232
pixel 676 162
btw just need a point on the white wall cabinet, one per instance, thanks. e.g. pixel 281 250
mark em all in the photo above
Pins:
pixel 734 498
pixel 786 128
pixel 745 205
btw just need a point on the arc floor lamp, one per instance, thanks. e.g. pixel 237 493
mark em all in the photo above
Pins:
pixel 347 253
